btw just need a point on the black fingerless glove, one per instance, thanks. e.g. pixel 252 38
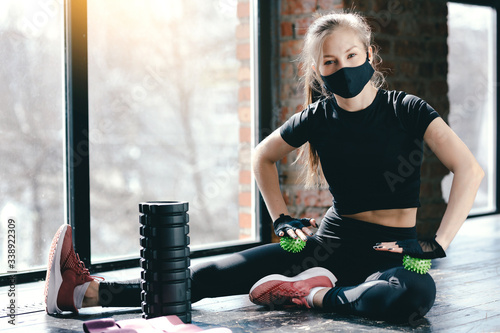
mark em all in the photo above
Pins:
pixel 285 222
pixel 423 249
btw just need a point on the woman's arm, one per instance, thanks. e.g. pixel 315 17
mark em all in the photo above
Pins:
pixel 455 155
pixel 264 158
pixel 467 175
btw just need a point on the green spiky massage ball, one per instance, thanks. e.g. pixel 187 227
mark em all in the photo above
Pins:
pixel 292 245
pixel 421 266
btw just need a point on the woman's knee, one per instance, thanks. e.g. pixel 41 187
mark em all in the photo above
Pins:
pixel 415 295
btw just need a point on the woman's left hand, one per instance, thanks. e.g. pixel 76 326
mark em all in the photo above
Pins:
pixel 423 249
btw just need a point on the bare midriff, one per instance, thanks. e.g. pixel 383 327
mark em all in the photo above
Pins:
pixel 399 218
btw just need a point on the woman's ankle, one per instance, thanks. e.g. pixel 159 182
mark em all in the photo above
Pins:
pixel 318 298
pixel 91 297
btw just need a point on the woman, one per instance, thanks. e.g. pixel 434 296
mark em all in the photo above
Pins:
pixel 361 139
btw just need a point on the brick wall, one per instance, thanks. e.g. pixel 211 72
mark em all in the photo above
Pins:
pixel 412 36
pixel 244 113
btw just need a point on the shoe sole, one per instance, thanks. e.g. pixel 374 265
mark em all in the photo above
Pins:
pixel 53 280
pixel 310 273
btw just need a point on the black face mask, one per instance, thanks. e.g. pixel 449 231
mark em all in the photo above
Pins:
pixel 348 82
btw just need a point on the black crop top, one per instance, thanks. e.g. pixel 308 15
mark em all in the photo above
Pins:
pixel 371 158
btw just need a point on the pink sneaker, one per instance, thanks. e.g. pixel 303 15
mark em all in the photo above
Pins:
pixel 281 291
pixel 65 271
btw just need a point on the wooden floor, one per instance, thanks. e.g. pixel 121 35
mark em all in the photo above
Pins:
pixel 468 299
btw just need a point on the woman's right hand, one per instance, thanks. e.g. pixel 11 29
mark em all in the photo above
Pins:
pixel 285 224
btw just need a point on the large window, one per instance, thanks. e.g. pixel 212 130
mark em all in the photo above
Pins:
pixel 31 129
pixel 170 116
pixel 472 80
pixel 166 80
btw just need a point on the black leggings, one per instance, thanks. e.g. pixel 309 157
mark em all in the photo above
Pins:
pixel 370 283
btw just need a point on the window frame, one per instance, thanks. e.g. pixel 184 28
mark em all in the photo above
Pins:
pixel 496 6
pixel 76 141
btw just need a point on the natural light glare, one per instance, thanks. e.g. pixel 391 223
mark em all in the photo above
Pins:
pixel 164 93
pixel 472 91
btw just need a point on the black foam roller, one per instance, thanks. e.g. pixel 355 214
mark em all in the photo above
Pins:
pixel 164 220
pixel 165 265
pixel 164 232
pixel 162 308
pixel 166 276
pixel 163 207
pixel 168 254
pixel 173 292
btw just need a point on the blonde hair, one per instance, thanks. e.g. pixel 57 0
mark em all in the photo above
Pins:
pixel 310 57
